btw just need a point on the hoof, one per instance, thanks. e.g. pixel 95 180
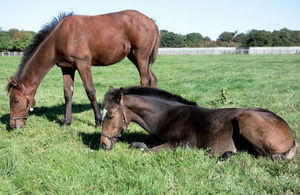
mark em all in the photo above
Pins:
pixel 98 124
pixel 138 145
pixel 67 123
pixel 225 156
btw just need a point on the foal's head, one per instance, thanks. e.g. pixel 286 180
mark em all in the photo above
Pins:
pixel 20 104
pixel 114 120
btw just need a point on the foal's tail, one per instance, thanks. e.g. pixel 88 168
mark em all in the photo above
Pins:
pixel 287 155
pixel 154 52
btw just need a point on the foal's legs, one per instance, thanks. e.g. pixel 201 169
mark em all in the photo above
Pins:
pixel 84 69
pixel 138 145
pixel 68 75
pixel 168 145
pixel 141 62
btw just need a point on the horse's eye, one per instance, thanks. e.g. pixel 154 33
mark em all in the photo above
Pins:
pixel 16 101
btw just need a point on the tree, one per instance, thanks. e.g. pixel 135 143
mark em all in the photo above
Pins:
pixel 239 38
pixel 286 37
pixel 206 38
pixel 193 40
pixel 170 39
pixel 21 40
pixel 12 32
pixel 227 36
pixel 258 38
pixel 6 43
pixel 297 38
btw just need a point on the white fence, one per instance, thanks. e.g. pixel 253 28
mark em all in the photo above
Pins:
pixel 229 50
pixel 11 53
pixel 274 50
pixel 196 51
pixel 210 51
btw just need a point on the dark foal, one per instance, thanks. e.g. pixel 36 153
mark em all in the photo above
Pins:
pixel 180 122
pixel 75 42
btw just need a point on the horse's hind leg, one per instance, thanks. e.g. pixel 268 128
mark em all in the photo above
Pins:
pixel 84 69
pixel 153 78
pixel 141 62
pixel 68 76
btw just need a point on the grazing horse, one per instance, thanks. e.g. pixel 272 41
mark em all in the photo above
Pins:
pixel 180 122
pixel 76 42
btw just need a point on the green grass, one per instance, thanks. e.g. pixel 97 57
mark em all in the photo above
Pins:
pixel 46 158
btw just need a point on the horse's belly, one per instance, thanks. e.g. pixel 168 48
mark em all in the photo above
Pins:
pixel 109 56
pixel 107 60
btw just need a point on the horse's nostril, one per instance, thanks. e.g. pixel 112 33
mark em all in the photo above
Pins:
pixel 104 146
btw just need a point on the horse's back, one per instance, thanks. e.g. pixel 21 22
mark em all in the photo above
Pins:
pixel 267 132
pixel 107 38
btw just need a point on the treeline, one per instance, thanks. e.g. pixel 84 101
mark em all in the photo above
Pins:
pixel 15 40
pixel 254 38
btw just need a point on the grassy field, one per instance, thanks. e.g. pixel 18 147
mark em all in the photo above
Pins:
pixel 47 158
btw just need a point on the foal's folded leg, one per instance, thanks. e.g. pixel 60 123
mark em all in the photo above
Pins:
pixel 138 145
pixel 168 145
pixel 226 156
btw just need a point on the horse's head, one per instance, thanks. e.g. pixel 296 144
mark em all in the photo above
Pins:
pixel 114 120
pixel 20 104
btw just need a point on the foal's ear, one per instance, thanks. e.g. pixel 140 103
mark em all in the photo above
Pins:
pixel 120 95
pixel 111 89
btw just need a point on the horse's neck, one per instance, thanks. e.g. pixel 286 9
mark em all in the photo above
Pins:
pixel 146 113
pixel 35 69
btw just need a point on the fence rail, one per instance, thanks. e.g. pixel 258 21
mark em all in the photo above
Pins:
pixel 11 53
pixel 210 51
pixel 229 50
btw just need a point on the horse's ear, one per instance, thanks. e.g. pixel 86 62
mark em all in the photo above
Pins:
pixel 120 95
pixel 12 82
pixel 111 89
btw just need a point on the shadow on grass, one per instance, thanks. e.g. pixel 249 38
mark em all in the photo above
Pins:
pixel 92 140
pixel 53 113
pixel 149 140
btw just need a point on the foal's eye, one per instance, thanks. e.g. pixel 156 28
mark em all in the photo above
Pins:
pixel 110 117
pixel 16 101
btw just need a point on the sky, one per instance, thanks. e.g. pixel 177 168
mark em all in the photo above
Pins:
pixel 209 17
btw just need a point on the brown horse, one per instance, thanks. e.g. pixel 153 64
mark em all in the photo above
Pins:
pixel 180 122
pixel 75 42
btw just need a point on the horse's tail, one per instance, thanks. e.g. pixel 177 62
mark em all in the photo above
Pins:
pixel 154 52
pixel 288 154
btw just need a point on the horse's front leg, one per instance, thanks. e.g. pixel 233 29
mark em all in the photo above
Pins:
pixel 84 69
pixel 68 76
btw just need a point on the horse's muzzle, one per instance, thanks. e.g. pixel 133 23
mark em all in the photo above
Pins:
pixel 18 124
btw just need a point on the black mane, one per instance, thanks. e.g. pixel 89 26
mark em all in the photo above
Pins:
pixel 38 39
pixel 140 90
